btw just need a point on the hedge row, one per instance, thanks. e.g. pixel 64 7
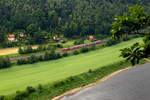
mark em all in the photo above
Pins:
pixel 53 56
pixel 33 59
pixel 4 63
pixel 28 49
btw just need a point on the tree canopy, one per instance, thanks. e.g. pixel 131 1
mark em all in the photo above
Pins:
pixel 67 17
pixel 131 22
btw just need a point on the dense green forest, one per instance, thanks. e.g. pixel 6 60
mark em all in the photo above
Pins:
pixel 71 18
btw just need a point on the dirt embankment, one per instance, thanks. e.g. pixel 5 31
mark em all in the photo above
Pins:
pixel 8 51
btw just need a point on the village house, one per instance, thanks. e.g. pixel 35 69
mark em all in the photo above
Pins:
pixel 11 37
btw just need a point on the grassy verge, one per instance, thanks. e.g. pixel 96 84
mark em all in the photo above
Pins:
pixel 57 88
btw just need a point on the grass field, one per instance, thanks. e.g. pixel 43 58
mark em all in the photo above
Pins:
pixel 19 77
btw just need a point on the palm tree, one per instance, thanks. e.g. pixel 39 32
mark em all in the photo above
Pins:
pixel 133 53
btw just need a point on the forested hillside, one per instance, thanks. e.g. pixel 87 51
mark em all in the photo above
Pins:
pixel 67 17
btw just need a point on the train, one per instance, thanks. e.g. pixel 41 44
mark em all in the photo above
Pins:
pixel 83 45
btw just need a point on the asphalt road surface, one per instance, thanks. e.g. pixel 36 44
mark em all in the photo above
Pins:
pixel 133 84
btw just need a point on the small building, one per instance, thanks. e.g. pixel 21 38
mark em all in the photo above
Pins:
pixel 58 37
pixel 11 37
pixel 22 35
pixel 91 37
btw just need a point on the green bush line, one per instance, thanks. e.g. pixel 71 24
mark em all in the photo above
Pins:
pixel 43 92
pixel 54 56
pixel 28 49
pixel 5 63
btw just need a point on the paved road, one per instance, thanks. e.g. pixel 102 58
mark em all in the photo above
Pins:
pixel 133 84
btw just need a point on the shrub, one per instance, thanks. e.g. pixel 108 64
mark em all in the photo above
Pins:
pixel 76 52
pixel 65 54
pixel 51 56
pixel 40 48
pixel 40 58
pixel 50 47
pixel 20 95
pixel 40 87
pixel 112 42
pixel 84 50
pixel 58 56
pixel 133 54
pixel 29 49
pixel 26 50
pixel 58 84
pixel 147 45
pixel 32 59
pixel 93 47
pixel 2 97
pixel 59 46
pixel 79 42
pixel 21 61
pixel 21 51
pixel 47 56
pixel 4 63
pixel 30 89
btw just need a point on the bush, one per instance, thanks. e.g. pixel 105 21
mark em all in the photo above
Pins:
pixel 21 51
pixel 21 61
pixel 90 71
pixel 79 42
pixel 93 47
pixel 133 54
pixel 84 50
pixel 30 89
pixel 46 56
pixel 40 58
pixel 41 48
pixel 76 52
pixel 20 95
pixel 24 94
pixel 32 59
pixel 40 87
pixel 51 55
pixel 51 47
pixel 58 84
pixel 4 63
pixel 65 54
pixel 147 45
pixel 58 56
pixel 29 49
pixel 59 46
pixel 112 42
pixel 2 97
pixel 26 50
